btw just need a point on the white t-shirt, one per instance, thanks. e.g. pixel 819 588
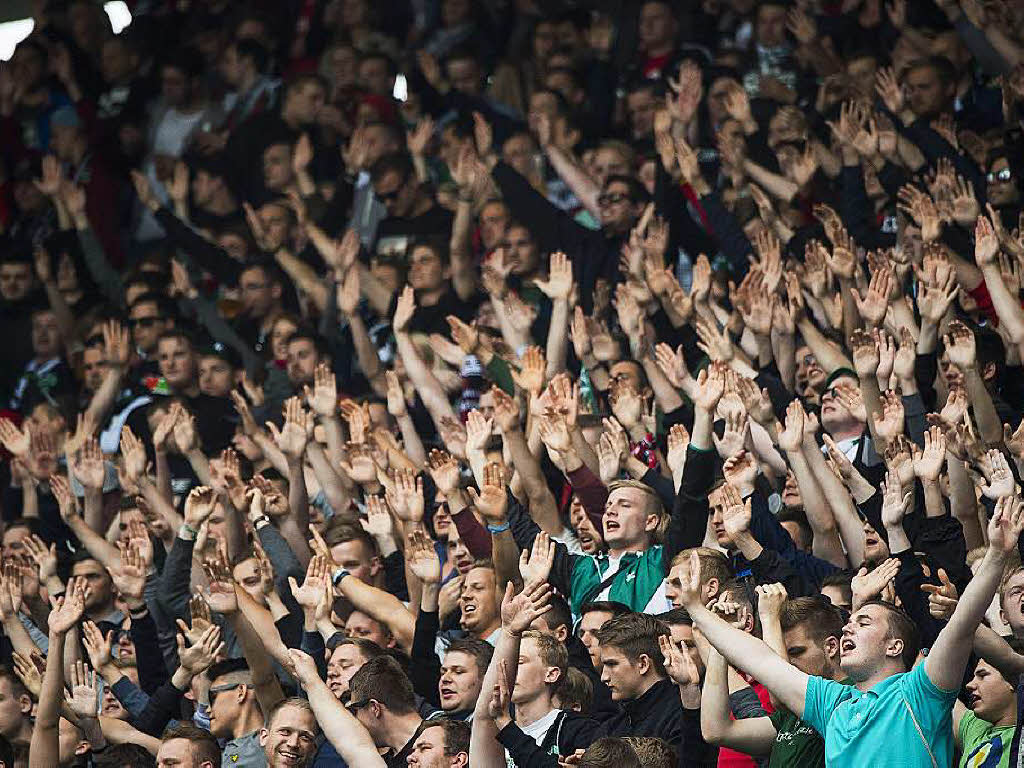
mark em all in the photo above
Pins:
pixel 537 730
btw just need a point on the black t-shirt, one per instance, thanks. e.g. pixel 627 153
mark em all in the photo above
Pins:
pixel 431 319
pixel 400 759
pixel 395 233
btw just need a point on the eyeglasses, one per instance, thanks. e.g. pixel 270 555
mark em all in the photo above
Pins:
pixel 385 197
pixel 354 706
pixel 1004 175
pixel 143 322
pixel 611 198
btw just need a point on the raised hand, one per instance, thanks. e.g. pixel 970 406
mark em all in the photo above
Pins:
pixel 1000 478
pixel 491 502
pixel 770 598
pixel 1005 525
pixel 895 503
pixel 129 576
pixel 444 470
pixel 199 506
pixel 88 465
pixel 736 514
pixel 942 597
pixel 317 573
pixel 15 440
pixel 518 612
pixel 68 609
pixel 868 585
pixel 291 438
pixel 84 699
pixel 422 557
pixel 535 566
pixel 679 665
pixel 184 430
pixel 792 436
pixel 221 595
pixel 530 376
pixel 323 399
pixel 558 286
pixel 501 697
pixel 197 656
pixel 406 497
pixel 378 522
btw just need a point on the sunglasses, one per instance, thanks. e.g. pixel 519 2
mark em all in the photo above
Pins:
pixel 143 322
pixel 1004 175
pixel 214 690
pixel 354 706
pixel 609 198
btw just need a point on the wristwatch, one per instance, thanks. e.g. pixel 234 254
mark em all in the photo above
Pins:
pixel 338 575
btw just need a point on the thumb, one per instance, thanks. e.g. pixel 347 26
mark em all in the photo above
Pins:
pixel 183 626
pixel 862 572
pixel 943 577
pixel 474 497
pixel 291 583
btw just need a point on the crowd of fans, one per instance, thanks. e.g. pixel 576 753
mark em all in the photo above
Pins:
pixel 643 387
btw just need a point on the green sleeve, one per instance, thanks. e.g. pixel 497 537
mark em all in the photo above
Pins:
pixel 500 374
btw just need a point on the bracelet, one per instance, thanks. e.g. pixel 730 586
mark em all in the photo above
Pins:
pixel 338 575
pixel 260 519
pixel 498 528
pixel 189 529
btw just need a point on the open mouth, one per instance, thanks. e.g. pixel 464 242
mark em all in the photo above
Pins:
pixel 846 646
pixel 611 526
pixel 448 694
pixel 289 757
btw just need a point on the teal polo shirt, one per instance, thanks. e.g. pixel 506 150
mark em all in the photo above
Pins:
pixel 862 728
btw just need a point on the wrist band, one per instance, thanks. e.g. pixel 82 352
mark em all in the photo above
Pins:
pixel 338 575
pixel 498 528
pixel 189 529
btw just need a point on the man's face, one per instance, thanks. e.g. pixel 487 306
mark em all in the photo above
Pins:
pixel 302 361
pixel 518 152
pixel 809 655
pixel 682 636
pixel 341 667
pixel 14 710
pixel 589 537
pixel 861 73
pixel 203 188
pixel 365 628
pixel 533 676
pixel 771 25
pixel 14 542
pixel 478 604
pixel 459 685
pixel 216 378
pixel 93 368
pixel 589 624
pixel 277 167
pixel 464 75
pixel 305 102
pixel 608 161
pixel 259 293
pixel 174 85
pixel 989 696
pixel 835 415
pixel 520 251
pixel 627 520
pixel 395 192
pixel 15 281
pixel 147 324
pixel 875 548
pixel 426 272
pixel 357 559
pixel 115 62
pixel 247 574
pixel 1012 602
pixel 717 522
pixel 618 210
pixel 45 335
pixel 641 106
pixel 622 676
pixel 375 78
pixel 493 222
pixel 863 646
pixel 276 224
pixel 927 95
pixel 176 753
pixel 290 739
pixel 428 749
pixel 225 704
pixel 97 581
pixel 657 26
pixel 177 362
pixel 1002 183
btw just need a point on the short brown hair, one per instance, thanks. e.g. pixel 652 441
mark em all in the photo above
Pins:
pixel 610 752
pixel 822 619
pixel 456 734
pixel 204 745
pixel 575 689
pixel 901 627
pixel 652 751
pixel 383 680
pixel 339 531
pixel 636 635
pixel 552 652
pixel 713 563
pixel 294 701
pixel 480 650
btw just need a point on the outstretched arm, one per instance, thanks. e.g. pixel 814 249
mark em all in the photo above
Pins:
pixel 948 657
pixel 349 737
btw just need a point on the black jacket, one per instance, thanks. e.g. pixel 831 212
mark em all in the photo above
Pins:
pixel 568 733
pixel 660 713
